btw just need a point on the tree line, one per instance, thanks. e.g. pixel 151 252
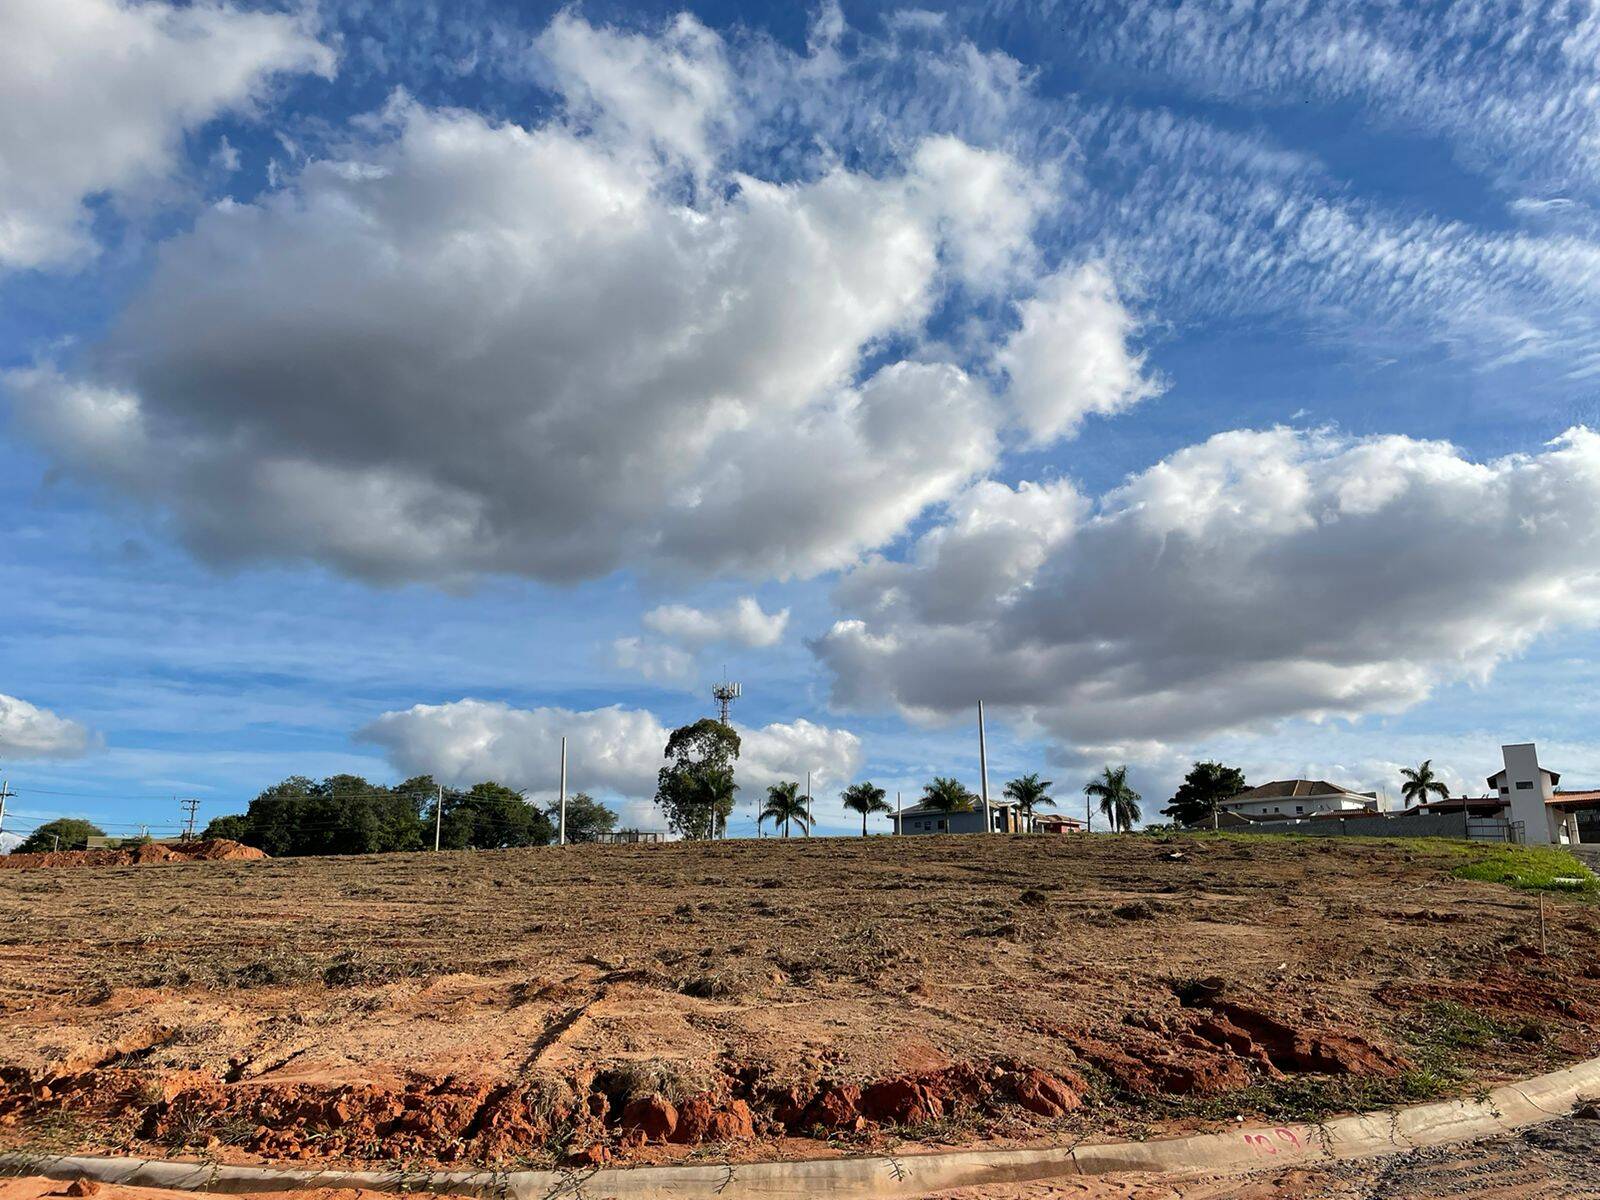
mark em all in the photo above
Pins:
pixel 345 814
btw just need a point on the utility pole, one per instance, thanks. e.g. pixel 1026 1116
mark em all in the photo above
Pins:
pixel 5 792
pixel 438 815
pixel 808 797
pixel 563 836
pixel 983 773
pixel 190 806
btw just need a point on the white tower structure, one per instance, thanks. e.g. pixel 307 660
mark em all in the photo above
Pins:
pixel 1527 788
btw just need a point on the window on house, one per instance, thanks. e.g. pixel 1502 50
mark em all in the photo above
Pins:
pixel 1505 791
pixel 1299 808
pixel 942 823
pixel 1524 785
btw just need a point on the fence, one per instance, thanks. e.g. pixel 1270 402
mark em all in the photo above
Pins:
pixel 1445 825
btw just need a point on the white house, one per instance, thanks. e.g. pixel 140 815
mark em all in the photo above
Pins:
pixel 1287 799
pixel 1529 793
pixel 1005 817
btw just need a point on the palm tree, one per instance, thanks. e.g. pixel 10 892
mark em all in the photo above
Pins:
pixel 947 795
pixel 1420 782
pixel 1030 792
pixel 785 804
pixel 1118 801
pixel 865 799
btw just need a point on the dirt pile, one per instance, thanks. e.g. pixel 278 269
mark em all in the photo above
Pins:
pixel 1217 1043
pixel 458 1119
pixel 209 850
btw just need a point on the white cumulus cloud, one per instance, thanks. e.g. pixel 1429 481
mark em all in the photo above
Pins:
pixel 612 750
pixel 683 632
pixel 27 731
pixel 742 623
pixel 1253 577
pixel 461 346
pixel 1070 358
pixel 96 96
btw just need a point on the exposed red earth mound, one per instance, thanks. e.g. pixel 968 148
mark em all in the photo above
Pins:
pixel 210 850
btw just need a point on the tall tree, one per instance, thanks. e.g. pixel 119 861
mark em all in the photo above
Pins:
pixel 587 818
pixel 1030 792
pixel 866 799
pixel 64 833
pixel 490 816
pixel 1118 801
pixel 233 827
pixel 695 790
pixel 947 795
pixel 1206 786
pixel 1420 782
pixel 343 814
pixel 785 805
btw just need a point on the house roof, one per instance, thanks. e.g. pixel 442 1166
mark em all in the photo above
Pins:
pixel 921 809
pixel 1457 803
pixel 1281 789
pixel 1555 776
pixel 1589 799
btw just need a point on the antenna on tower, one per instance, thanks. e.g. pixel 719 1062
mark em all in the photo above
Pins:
pixel 725 693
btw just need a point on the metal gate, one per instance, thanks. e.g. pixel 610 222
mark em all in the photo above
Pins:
pixel 1494 829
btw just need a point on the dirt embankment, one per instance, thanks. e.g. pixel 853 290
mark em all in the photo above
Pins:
pixel 757 999
pixel 208 850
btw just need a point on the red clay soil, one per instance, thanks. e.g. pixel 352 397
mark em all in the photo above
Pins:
pixel 764 999
pixel 209 850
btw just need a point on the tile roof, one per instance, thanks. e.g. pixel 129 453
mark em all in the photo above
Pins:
pixel 1285 788
pixel 1576 799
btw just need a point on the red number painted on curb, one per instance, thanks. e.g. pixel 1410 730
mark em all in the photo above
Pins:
pixel 1260 1143
pixel 1287 1135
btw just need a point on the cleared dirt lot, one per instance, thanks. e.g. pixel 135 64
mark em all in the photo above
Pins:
pixel 750 999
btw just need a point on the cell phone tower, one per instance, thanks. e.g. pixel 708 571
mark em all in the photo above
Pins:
pixel 725 693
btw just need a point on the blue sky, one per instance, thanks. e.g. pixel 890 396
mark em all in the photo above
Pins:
pixel 389 389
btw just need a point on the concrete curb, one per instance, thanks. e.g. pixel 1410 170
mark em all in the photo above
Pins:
pixel 1366 1135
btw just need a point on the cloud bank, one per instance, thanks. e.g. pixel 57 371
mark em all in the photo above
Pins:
pixel 613 750
pixel 1253 577
pixel 465 346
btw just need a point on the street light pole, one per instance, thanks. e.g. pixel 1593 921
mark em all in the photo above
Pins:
pixel 563 840
pixel 983 773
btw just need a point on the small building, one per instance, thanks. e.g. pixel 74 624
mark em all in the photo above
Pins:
pixel 1056 823
pixel 1005 817
pixel 1545 816
pixel 1291 799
